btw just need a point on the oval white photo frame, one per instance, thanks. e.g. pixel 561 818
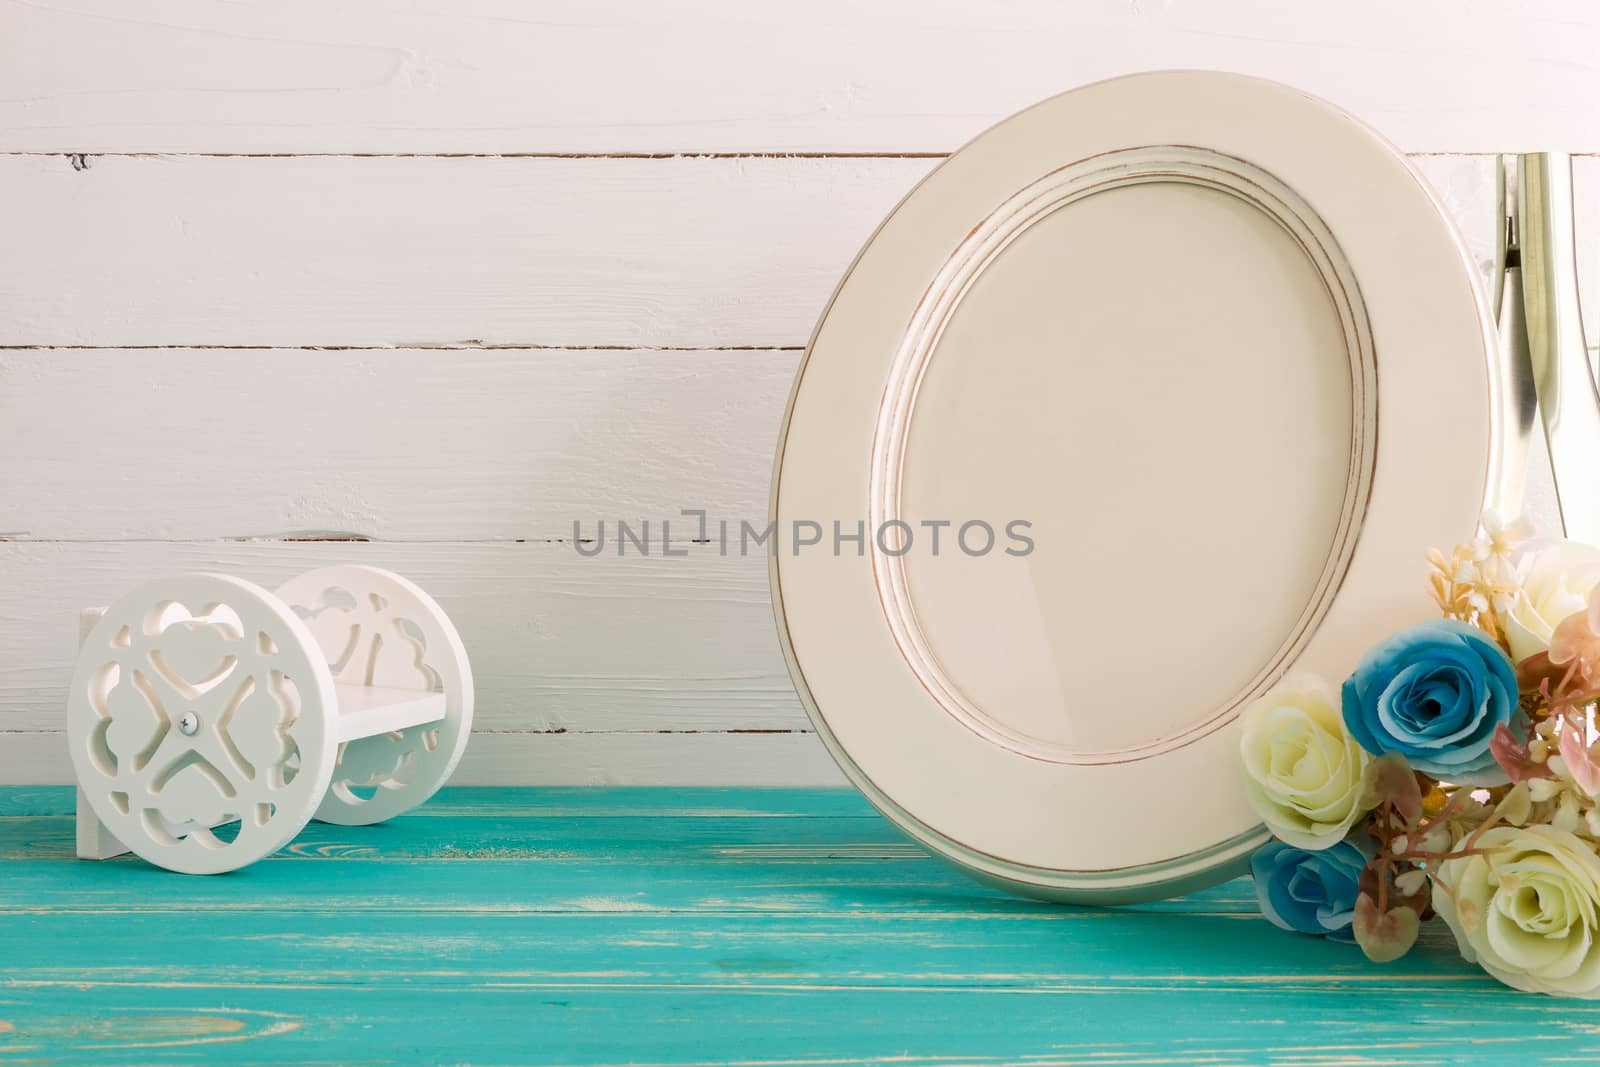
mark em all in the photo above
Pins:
pixel 978 780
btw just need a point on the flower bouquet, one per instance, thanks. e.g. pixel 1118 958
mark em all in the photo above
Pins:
pixel 1454 775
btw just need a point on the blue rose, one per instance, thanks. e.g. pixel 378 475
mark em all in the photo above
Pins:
pixel 1310 892
pixel 1434 693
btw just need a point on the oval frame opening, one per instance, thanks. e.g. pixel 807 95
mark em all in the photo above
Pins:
pixel 1053 192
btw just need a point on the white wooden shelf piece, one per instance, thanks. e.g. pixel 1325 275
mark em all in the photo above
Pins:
pixel 210 720
pixel 369 710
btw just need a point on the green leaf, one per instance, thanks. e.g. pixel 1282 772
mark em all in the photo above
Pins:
pixel 1385 936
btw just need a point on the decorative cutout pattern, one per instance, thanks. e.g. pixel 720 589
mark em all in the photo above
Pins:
pixel 376 628
pixel 196 704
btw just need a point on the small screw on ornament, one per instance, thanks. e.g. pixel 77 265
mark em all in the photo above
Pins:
pixel 189 725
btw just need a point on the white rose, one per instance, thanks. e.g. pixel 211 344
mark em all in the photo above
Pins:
pixel 1303 771
pixel 1527 911
pixel 1554 582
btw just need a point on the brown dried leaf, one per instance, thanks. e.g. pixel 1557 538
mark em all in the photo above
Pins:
pixel 1390 779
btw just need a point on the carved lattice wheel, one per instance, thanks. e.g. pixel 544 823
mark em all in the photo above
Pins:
pixel 376 628
pixel 200 723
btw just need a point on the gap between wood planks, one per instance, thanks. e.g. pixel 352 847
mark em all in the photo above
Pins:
pixel 793 731
pixel 83 160
pixel 9 537
pixel 436 346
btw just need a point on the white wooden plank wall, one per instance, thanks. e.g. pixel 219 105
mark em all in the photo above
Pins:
pixel 441 279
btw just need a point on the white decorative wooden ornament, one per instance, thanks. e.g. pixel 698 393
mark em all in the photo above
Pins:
pixel 380 632
pixel 209 720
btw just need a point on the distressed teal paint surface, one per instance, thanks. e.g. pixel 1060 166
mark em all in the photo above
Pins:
pixel 762 927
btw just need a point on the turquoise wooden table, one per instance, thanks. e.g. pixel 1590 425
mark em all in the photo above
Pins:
pixel 676 927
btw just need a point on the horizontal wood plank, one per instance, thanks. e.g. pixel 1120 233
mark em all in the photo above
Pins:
pixel 558 642
pixel 393 445
pixel 653 253
pixel 715 75
pixel 396 252
pixel 773 933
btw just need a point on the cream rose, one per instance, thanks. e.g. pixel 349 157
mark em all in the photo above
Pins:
pixel 1528 910
pixel 1555 581
pixel 1303 770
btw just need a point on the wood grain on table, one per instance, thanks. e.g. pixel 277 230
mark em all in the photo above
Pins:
pixel 695 926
